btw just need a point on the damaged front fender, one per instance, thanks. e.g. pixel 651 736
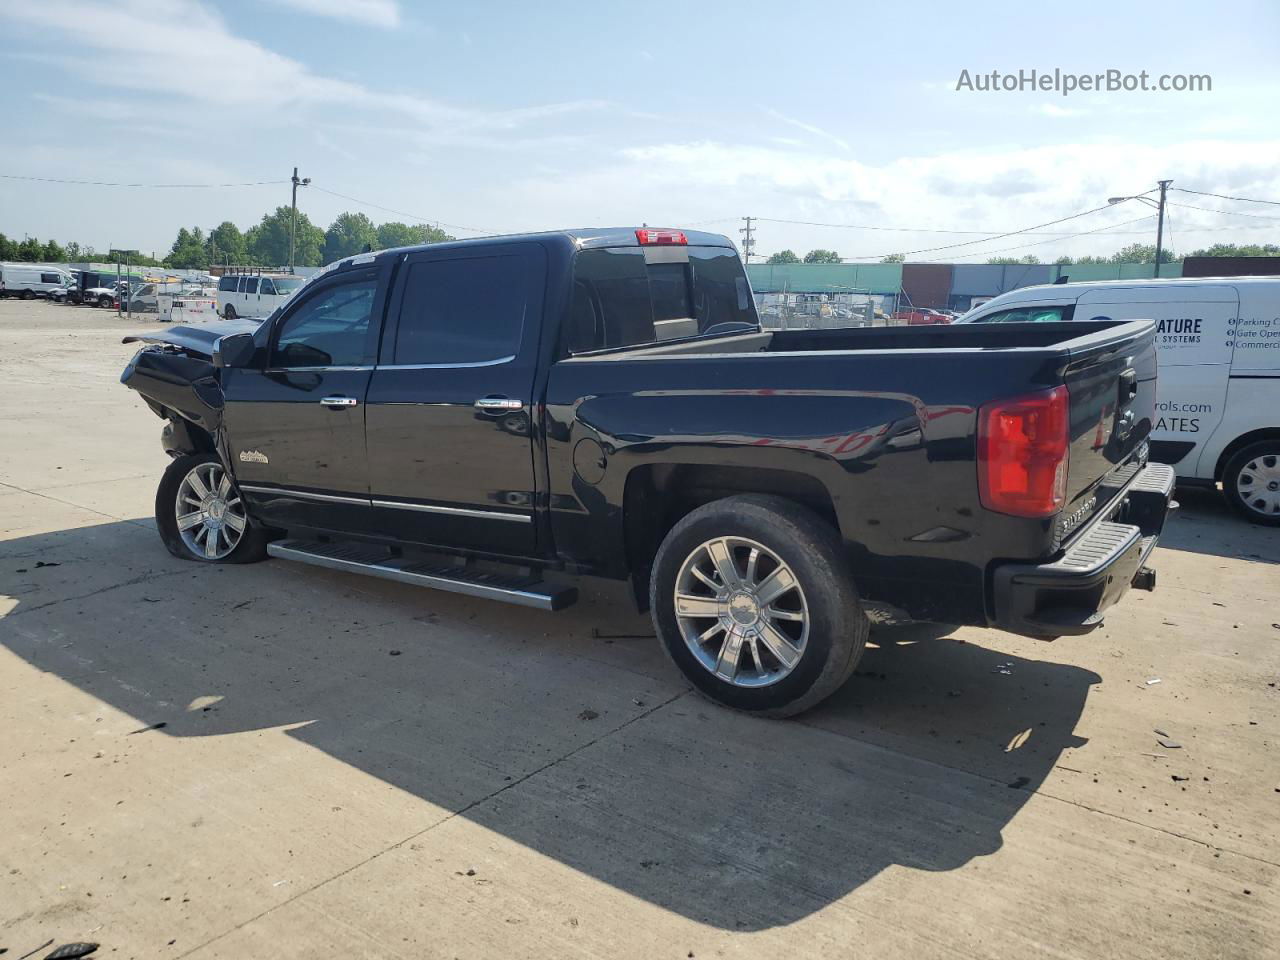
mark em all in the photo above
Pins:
pixel 173 383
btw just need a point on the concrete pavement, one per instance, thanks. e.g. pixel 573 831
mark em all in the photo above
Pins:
pixel 275 760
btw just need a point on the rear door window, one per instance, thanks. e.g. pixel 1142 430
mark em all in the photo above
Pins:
pixel 462 310
pixel 227 284
pixel 622 298
pixel 250 284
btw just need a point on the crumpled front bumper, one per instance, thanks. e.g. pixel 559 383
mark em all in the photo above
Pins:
pixel 1070 595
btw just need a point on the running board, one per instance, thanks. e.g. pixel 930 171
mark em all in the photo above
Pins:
pixel 379 562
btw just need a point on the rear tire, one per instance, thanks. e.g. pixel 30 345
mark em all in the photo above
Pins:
pixel 1251 483
pixel 794 647
pixel 230 312
pixel 185 507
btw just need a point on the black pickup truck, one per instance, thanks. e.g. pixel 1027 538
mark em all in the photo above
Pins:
pixel 487 416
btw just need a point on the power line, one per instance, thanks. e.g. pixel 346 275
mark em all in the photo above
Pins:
pixel 863 226
pixel 1230 213
pixel 157 186
pixel 1223 196
pixel 1040 243
pixel 970 243
pixel 402 213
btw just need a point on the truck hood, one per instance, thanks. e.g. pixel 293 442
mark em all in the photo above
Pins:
pixel 196 338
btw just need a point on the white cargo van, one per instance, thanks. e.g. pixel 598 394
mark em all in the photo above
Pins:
pixel 27 280
pixel 1218 401
pixel 254 294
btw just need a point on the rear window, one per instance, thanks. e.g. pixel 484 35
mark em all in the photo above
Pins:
pixel 227 284
pixel 623 298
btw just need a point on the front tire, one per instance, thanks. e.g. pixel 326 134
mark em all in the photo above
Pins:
pixel 104 301
pixel 200 514
pixel 753 599
pixel 1251 483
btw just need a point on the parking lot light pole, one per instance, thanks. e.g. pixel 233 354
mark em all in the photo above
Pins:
pixel 293 214
pixel 1159 208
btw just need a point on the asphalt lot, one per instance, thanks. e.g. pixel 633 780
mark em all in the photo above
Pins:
pixel 275 760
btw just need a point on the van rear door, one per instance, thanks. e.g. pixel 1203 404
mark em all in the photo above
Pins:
pixel 1195 332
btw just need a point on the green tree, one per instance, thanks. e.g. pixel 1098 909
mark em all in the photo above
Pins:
pixel 188 252
pixel 348 235
pixel 29 250
pixel 1089 260
pixel 783 256
pixel 396 234
pixel 822 256
pixel 226 244
pixel 1029 258
pixel 74 252
pixel 1239 250
pixel 8 249
pixel 1064 261
pixel 1142 253
pixel 894 258
pixel 268 241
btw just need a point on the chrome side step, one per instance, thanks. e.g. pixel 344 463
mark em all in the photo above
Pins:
pixel 377 561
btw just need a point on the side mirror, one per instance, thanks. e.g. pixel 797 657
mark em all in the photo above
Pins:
pixel 234 350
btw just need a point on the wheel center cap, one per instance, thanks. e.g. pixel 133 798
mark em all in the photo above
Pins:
pixel 744 609
pixel 217 509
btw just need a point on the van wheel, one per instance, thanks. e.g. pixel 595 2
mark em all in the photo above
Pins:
pixel 201 516
pixel 26 295
pixel 230 312
pixel 753 599
pixel 1251 483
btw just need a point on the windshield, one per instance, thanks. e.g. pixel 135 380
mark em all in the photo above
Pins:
pixel 287 285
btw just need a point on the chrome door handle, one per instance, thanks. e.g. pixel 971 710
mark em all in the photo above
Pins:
pixel 339 402
pixel 498 405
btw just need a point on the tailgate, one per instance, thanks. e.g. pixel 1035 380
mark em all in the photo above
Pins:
pixel 1112 385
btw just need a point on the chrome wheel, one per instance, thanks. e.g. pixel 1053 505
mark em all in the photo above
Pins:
pixel 210 515
pixel 1258 484
pixel 741 611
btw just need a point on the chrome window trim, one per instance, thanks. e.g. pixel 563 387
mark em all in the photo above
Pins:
pixel 445 366
pixel 455 511
pixel 304 495
pixel 314 369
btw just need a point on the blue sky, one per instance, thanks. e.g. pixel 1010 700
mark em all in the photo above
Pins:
pixel 515 116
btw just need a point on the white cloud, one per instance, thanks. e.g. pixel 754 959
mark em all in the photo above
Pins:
pixel 1053 110
pixel 378 13
pixel 980 189
pixel 809 128
pixel 184 49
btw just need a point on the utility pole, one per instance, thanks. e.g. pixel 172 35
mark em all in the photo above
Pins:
pixel 748 239
pixel 293 214
pixel 1164 187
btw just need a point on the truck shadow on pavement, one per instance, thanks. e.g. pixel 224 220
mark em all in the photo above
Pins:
pixel 585 748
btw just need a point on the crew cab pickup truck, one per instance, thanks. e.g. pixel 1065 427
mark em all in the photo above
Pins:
pixel 495 416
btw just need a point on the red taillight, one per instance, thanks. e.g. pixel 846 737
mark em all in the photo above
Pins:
pixel 649 237
pixel 1022 454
